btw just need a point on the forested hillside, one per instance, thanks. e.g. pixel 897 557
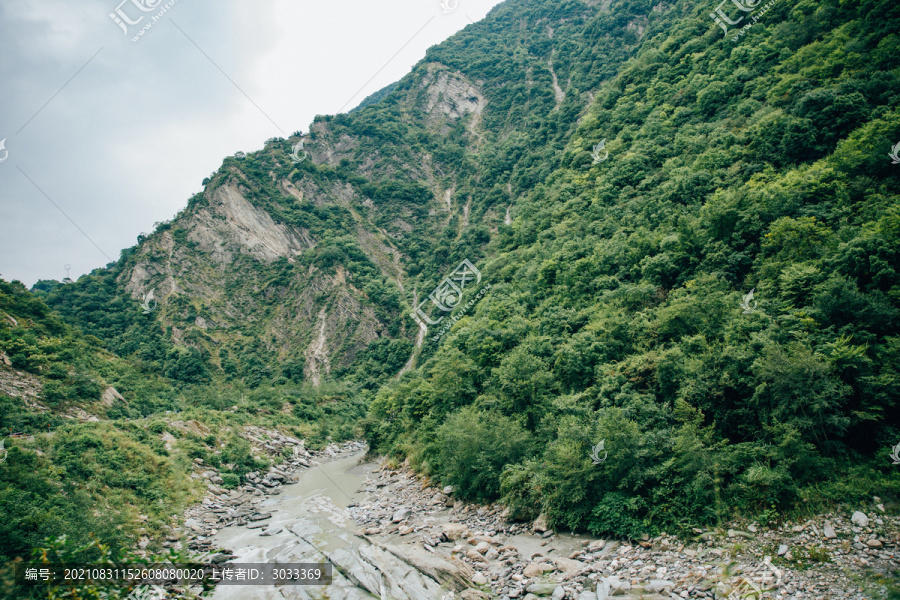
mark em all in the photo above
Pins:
pixel 615 311
pixel 687 246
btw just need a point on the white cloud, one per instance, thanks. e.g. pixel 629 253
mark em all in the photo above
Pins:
pixel 129 139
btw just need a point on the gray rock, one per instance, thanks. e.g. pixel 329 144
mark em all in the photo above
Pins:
pixel 540 524
pixel 559 593
pixel 782 550
pixel 541 589
pixel 828 530
pixel 448 490
pixel 658 585
pixel 860 519
pixel 400 515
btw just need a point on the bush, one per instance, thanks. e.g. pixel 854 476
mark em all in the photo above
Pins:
pixel 472 449
pixel 230 481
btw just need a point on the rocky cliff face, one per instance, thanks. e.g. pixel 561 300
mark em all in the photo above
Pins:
pixel 312 253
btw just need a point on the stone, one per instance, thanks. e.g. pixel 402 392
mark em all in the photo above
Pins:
pixel 568 565
pixel 540 524
pixel 405 530
pixel 874 544
pixel 541 589
pixel 455 531
pixel 658 585
pixel 491 554
pixel 860 519
pixel 448 490
pixel 559 593
pixel 536 569
pixel 401 514
pixel 479 579
pixel 782 550
pixel 272 530
pixel 482 547
pixel 828 531
pixel 475 556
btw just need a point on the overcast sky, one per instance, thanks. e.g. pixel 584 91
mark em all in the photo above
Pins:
pixel 118 134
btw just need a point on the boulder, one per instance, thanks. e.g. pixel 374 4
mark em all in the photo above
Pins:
pixel 567 565
pixel 541 589
pixel 540 524
pixel 455 531
pixel 828 531
pixel 400 515
pixel 479 579
pixel 860 519
pixel 537 569
pixel 477 557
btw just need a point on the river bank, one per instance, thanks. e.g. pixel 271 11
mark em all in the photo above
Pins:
pixel 390 534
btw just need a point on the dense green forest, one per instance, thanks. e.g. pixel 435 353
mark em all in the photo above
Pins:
pixel 615 312
pixel 619 306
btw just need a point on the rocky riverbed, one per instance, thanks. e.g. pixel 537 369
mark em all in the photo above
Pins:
pixel 391 534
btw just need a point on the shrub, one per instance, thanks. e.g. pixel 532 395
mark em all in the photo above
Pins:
pixel 473 447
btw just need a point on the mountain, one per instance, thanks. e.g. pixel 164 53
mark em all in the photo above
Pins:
pixel 679 241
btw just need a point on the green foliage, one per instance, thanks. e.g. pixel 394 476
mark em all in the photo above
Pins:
pixel 471 449
pixel 615 311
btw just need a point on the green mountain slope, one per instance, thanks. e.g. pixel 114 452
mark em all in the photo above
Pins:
pixel 615 311
pixel 622 175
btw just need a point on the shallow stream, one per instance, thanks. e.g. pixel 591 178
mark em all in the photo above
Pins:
pixel 314 528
